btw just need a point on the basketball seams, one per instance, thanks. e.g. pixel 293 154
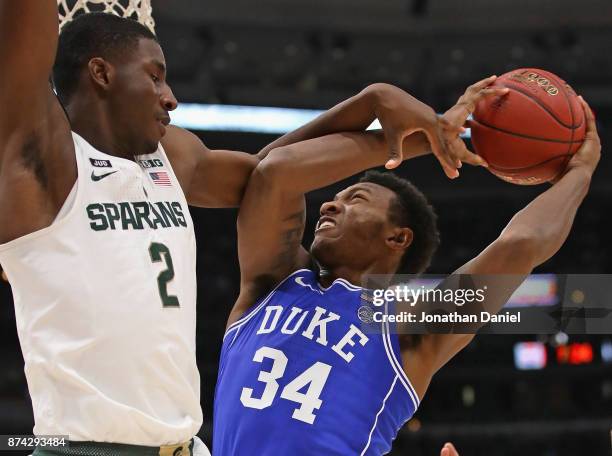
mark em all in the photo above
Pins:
pixel 564 86
pixel 526 168
pixel 522 91
pixel 520 135
pixel 569 105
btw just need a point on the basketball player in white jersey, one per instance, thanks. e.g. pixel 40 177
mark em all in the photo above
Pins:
pixel 95 233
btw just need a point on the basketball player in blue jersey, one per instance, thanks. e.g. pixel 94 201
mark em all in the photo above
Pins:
pixel 95 233
pixel 297 375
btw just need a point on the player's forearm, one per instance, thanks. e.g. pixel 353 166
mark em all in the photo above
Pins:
pixel 533 235
pixel 28 41
pixel 353 114
pixel 546 222
pixel 309 165
pixel 28 35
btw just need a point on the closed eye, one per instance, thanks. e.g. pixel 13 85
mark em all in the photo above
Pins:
pixel 359 196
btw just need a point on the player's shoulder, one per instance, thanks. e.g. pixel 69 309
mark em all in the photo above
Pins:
pixel 179 141
pixel 297 280
pixel 185 152
pixel 301 278
pixel 253 294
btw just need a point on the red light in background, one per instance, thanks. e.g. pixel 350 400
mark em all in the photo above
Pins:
pixel 576 353
pixel 581 353
pixel 563 352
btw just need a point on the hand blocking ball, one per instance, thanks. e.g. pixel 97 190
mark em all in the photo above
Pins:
pixel 529 135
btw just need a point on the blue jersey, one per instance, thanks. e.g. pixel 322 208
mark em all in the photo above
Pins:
pixel 298 377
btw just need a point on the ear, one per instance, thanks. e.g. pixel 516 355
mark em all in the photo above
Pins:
pixel 101 72
pixel 400 238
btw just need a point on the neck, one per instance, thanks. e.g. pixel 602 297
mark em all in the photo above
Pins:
pixel 355 276
pixel 91 121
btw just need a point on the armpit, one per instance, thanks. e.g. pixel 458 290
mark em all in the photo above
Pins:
pixel 31 157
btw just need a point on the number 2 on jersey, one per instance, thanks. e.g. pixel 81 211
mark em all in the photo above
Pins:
pixel 315 376
pixel 160 252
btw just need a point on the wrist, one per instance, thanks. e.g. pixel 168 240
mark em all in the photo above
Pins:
pixel 582 171
pixel 374 93
pixel 579 177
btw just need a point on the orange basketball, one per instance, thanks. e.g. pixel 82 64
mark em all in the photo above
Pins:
pixel 529 135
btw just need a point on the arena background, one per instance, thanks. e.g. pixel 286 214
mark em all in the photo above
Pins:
pixel 314 53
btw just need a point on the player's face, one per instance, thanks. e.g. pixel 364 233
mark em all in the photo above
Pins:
pixel 142 96
pixel 353 228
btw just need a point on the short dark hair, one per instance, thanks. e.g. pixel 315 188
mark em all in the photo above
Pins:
pixel 92 35
pixel 411 209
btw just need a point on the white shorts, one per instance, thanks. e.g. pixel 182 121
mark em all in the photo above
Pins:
pixel 199 448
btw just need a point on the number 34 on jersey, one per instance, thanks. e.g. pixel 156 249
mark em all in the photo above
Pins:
pixel 313 379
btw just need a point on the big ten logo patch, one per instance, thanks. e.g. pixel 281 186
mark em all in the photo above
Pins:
pixel 155 163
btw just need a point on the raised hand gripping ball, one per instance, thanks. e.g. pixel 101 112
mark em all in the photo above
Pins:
pixel 528 135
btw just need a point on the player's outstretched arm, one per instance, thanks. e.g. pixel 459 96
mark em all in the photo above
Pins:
pixel 209 178
pixel 37 161
pixel 394 108
pixel 271 217
pixel 28 42
pixel 532 236
pixel 218 178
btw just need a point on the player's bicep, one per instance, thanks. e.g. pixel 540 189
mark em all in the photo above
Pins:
pixel 220 178
pixel 270 230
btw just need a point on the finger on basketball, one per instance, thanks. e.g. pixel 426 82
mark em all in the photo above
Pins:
pixel 492 91
pixel 471 100
pixel 473 159
pixel 591 126
pixel 481 84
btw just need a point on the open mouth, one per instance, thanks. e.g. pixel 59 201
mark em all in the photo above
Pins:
pixel 325 223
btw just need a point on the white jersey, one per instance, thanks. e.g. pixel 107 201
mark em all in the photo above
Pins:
pixel 105 302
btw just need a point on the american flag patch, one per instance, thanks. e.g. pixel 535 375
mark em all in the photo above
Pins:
pixel 161 178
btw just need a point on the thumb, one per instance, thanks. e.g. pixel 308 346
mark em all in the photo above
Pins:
pixel 395 150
